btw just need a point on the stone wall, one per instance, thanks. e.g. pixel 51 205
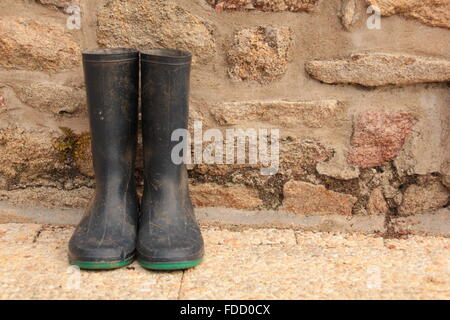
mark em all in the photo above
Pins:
pixel 364 114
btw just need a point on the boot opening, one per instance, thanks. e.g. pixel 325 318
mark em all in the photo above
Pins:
pixel 169 56
pixel 109 51
pixel 110 54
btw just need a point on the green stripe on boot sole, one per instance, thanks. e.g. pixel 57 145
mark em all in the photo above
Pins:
pixel 102 265
pixel 170 265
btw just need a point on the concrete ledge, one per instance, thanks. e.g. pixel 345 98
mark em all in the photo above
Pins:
pixel 430 224
pixel 281 220
pixel 433 224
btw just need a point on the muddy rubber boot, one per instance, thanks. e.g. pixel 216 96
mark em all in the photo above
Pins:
pixel 169 237
pixel 106 235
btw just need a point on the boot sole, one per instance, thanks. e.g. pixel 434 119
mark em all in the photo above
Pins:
pixel 170 265
pixel 101 265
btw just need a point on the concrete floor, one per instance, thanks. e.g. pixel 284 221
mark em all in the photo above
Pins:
pixel 244 264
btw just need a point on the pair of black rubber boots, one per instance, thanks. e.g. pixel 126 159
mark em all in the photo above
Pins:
pixel 162 232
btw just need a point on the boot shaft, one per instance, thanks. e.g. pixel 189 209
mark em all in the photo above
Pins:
pixel 112 87
pixel 165 106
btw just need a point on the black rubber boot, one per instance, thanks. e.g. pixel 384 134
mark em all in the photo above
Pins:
pixel 106 235
pixel 169 237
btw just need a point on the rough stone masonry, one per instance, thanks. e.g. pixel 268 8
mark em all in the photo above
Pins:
pixel 364 114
